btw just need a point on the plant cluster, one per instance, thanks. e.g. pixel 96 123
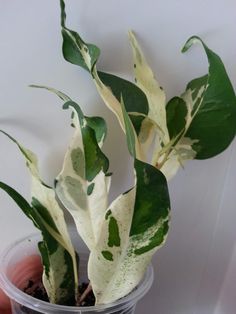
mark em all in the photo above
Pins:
pixel 161 136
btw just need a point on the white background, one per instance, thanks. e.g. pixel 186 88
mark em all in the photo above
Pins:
pixel 195 272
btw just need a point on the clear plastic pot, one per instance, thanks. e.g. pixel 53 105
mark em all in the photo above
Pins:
pixel 13 281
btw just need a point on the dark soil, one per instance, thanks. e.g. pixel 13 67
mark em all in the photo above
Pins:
pixel 90 299
pixel 38 291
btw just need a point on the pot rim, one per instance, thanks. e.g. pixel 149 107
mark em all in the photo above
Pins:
pixel 24 299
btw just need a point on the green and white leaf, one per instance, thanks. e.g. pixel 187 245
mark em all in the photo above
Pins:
pixel 174 155
pixel 56 240
pixel 211 107
pixel 134 98
pixel 179 154
pixel 84 52
pixel 75 50
pixel 98 124
pixel 203 118
pixel 83 184
pixel 146 81
pixel 79 53
pixel 135 226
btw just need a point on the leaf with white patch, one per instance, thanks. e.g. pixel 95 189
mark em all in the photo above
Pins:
pixel 146 81
pixel 134 98
pixel 83 184
pixel 134 228
pixel 136 105
pixel 129 130
pixel 58 254
pixel 196 119
pixel 118 109
pixel 98 124
pixel 174 155
pixel 75 50
pixel 177 157
pixel 106 92
pixel 211 104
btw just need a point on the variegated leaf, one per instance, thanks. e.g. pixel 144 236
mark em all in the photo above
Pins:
pixel 211 107
pixel 75 50
pixel 179 154
pixel 79 54
pixel 58 254
pixel 98 124
pixel 136 105
pixel 145 79
pixel 179 150
pixel 135 226
pixel 196 120
pixel 135 100
pixel 83 184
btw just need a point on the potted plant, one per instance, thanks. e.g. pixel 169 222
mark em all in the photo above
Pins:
pixel 122 236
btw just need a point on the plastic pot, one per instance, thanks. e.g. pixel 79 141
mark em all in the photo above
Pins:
pixel 15 275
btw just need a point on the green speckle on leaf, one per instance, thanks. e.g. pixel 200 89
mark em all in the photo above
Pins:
pixel 75 190
pixel 77 159
pixel 107 255
pixel 108 214
pixel 154 241
pixel 114 237
pixel 146 179
pixel 90 188
pixel 108 174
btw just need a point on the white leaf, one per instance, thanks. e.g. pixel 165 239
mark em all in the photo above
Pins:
pixel 145 79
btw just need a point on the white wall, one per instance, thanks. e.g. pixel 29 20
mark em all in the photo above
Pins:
pixel 193 271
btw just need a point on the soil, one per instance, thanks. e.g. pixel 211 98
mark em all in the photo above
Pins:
pixel 90 298
pixel 38 291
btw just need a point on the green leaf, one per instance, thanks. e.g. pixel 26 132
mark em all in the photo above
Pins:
pixel 23 204
pixel 212 104
pixel 134 226
pixel 176 111
pixel 75 50
pixel 152 199
pixel 99 126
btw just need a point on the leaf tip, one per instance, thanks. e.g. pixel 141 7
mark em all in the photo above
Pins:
pixel 192 40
